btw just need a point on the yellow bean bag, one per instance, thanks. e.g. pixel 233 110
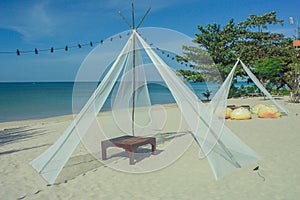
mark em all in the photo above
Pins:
pixel 240 114
pixel 274 108
pixel 228 113
pixel 268 112
pixel 256 108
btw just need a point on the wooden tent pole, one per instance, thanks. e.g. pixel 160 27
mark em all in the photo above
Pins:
pixel 133 75
pixel 133 28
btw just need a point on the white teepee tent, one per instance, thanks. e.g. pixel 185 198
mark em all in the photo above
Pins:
pixel 225 151
pixel 224 89
pixel 261 87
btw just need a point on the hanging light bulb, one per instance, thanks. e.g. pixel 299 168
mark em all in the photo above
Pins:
pixel 291 20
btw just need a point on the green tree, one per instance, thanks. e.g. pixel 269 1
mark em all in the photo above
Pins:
pixel 216 45
pixel 249 40
pixel 260 22
pixel 189 75
pixel 270 70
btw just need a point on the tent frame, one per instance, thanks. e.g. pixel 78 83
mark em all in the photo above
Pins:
pixel 50 163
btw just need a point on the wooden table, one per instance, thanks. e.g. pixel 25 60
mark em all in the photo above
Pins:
pixel 129 144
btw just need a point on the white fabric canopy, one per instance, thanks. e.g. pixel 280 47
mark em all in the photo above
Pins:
pixel 263 89
pixel 225 151
pixel 50 163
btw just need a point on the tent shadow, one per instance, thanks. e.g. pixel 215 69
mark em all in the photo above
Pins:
pixel 162 138
pixel 87 163
pixel 139 155
pixel 78 166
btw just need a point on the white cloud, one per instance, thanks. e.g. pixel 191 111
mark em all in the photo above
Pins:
pixel 31 20
pixel 35 19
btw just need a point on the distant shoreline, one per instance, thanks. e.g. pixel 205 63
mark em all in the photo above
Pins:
pixel 236 101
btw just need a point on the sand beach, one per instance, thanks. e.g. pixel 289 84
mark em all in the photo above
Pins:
pixel 188 177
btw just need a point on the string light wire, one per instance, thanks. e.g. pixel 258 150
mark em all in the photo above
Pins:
pixel 92 44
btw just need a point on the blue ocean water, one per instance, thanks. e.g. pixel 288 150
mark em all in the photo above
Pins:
pixel 20 101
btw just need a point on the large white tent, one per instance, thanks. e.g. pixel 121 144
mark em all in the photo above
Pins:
pixel 223 149
pixel 126 79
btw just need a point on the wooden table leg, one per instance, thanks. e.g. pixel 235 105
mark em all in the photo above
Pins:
pixel 153 148
pixel 103 150
pixel 131 157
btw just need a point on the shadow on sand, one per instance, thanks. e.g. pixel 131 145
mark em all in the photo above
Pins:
pixel 13 135
pixel 82 164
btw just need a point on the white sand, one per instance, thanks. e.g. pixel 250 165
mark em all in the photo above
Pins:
pixel 276 140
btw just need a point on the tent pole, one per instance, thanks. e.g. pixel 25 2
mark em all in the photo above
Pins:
pixel 133 86
pixel 133 28
pixel 133 74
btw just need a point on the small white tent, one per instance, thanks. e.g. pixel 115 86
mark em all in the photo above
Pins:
pixel 224 89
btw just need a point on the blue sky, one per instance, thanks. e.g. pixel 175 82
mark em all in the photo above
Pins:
pixel 42 24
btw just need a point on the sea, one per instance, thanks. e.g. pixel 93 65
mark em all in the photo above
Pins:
pixel 34 100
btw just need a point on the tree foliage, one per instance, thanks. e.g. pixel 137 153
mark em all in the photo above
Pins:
pixel 270 70
pixel 261 22
pixel 270 54
pixel 189 75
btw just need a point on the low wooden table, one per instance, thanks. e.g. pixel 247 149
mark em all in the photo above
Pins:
pixel 129 144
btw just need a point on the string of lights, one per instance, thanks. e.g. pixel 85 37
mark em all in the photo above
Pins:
pixel 66 48
pixel 170 55
pixel 92 44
